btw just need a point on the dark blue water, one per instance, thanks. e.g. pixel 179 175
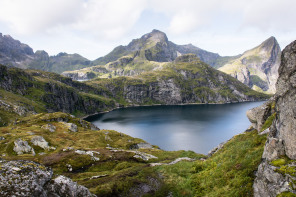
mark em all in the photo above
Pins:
pixel 183 127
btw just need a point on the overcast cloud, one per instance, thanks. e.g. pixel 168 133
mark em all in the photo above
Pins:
pixel 94 27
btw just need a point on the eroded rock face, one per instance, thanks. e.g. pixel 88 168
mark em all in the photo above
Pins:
pixel 29 179
pixel 258 115
pixel 282 138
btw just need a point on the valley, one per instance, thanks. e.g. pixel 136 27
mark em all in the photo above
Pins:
pixel 47 149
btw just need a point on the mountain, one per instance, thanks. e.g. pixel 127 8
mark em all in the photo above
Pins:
pixel 25 92
pixel 186 80
pixel 155 46
pixel 276 173
pixel 257 67
pixel 13 53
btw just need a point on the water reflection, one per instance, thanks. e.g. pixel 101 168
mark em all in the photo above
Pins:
pixel 188 127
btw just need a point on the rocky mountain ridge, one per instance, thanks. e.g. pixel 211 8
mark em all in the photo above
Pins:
pixel 13 53
pixel 276 174
pixel 258 67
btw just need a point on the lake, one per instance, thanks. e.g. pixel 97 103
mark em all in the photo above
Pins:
pixel 181 127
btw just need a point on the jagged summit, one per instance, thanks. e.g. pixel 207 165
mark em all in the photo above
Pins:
pixel 257 67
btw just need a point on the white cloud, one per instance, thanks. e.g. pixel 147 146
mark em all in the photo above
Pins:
pixel 96 25
pixel 33 16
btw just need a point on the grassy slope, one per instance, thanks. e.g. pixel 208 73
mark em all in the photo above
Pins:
pixel 122 171
pixel 229 172
pixel 205 75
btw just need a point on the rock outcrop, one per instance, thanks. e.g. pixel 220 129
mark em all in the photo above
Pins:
pixel 187 80
pixel 22 147
pixel 276 173
pixel 29 179
pixel 258 67
pixel 54 92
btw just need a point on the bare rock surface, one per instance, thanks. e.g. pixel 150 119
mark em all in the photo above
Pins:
pixel 281 140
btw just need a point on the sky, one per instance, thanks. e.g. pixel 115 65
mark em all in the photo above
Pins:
pixel 92 28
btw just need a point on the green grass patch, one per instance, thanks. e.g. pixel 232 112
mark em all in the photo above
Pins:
pixel 230 172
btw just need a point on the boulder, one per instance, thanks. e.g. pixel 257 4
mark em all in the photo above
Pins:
pixel 63 186
pixel 49 127
pixel 41 142
pixel 21 147
pixel 29 179
pixel 71 127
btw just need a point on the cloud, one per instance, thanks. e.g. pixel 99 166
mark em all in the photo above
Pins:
pixel 105 18
pixel 32 16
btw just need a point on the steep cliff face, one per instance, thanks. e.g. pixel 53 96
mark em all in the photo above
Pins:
pixel 257 67
pixel 186 80
pixel 42 91
pixel 276 174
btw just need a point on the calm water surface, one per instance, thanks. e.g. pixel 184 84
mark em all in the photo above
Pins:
pixel 184 127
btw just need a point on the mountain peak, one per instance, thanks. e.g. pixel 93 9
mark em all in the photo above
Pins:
pixel 270 43
pixel 156 36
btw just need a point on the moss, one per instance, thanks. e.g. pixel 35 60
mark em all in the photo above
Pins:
pixel 286 194
pixel 285 169
pixel 268 122
pixel 279 162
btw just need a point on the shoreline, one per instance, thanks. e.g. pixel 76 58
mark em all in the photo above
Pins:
pixel 129 106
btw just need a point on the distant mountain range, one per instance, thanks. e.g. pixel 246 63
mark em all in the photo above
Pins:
pixel 256 68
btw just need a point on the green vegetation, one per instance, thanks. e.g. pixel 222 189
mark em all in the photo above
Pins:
pixel 230 171
pixel 268 122
pixel 286 194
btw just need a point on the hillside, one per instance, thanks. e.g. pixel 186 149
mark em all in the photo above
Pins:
pixel 258 67
pixel 186 80
pixel 13 53
pixel 24 92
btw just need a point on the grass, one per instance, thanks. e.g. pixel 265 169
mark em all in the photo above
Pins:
pixel 230 172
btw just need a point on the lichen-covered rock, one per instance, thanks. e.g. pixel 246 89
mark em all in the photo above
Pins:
pixel 21 147
pixel 282 136
pixel 270 182
pixel 49 127
pixel 29 179
pixel 63 186
pixel 23 178
pixel 41 142
pixel 71 127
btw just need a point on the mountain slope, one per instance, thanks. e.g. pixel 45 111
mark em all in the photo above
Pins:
pixel 186 80
pixel 25 92
pixel 155 46
pixel 257 67
pixel 13 53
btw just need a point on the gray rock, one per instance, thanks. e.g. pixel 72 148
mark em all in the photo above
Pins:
pixel 268 182
pixel 71 127
pixel 2 138
pixel 49 127
pixel 21 147
pixel 282 136
pixel 41 142
pixel 29 179
pixel 258 115
pixel 23 178
pixel 63 186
